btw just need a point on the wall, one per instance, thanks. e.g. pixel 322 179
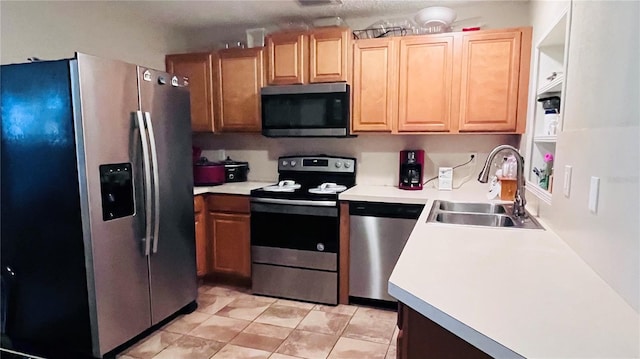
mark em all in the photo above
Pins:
pixel 57 29
pixel 489 14
pixel 543 16
pixel 376 155
pixel 601 137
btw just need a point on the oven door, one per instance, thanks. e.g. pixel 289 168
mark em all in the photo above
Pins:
pixel 300 227
pixel 294 251
pixel 317 110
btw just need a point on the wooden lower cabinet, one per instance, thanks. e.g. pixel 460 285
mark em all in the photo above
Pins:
pixel 231 243
pixel 421 338
pixel 202 249
pixel 223 239
pixel 229 236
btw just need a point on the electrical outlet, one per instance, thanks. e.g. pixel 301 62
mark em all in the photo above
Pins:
pixel 566 189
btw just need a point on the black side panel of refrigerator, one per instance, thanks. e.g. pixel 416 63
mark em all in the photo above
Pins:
pixel 42 239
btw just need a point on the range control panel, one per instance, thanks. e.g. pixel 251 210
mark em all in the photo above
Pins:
pixel 320 163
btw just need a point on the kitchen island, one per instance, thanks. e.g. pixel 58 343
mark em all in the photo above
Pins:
pixel 509 292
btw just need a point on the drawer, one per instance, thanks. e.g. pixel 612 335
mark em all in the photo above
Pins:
pixel 228 203
pixel 198 204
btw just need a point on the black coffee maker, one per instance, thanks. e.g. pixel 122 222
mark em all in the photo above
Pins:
pixel 411 169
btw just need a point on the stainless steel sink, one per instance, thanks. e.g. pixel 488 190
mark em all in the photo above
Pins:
pixel 475 219
pixel 479 214
pixel 471 207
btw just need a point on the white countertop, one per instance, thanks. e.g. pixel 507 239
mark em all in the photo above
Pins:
pixel 242 188
pixel 472 191
pixel 510 292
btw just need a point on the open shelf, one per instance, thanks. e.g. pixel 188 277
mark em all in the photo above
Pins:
pixel 557 34
pixel 545 139
pixel 550 57
pixel 554 86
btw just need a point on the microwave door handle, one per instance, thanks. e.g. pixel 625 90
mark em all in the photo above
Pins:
pixel 156 185
pixel 147 182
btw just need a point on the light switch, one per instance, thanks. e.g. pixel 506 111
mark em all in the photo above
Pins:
pixel 567 181
pixel 594 190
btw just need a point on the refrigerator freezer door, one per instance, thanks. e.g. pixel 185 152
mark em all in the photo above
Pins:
pixel 118 268
pixel 172 262
pixel 45 292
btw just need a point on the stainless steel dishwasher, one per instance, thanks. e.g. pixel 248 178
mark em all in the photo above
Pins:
pixel 378 234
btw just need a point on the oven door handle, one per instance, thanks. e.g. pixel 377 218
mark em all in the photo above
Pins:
pixel 257 207
pixel 297 202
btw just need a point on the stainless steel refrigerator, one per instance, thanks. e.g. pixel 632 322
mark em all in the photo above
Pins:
pixel 97 204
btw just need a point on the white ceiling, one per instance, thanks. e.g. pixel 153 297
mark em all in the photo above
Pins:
pixel 206 14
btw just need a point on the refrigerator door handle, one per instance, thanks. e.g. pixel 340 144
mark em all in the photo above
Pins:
pixel 156 186
pixel 147 182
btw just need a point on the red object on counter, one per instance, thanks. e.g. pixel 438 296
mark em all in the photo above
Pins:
pixel 208 174
pixel 471 28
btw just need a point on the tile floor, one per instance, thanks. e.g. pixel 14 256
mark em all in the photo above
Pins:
pixel 231 323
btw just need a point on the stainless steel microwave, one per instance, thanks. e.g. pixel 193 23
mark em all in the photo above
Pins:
pixel 317 110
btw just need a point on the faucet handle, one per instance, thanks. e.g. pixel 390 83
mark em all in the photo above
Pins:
pixel 518 205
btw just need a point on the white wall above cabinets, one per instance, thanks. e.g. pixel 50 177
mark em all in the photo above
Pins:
pixel 53 30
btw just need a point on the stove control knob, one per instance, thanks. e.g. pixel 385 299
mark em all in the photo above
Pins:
pixel 347 164
pixel 284 163
pixel 293 163
pixel 320 247
pixel 338 164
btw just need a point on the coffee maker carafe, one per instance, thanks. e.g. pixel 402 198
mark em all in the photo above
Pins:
pixel 411 169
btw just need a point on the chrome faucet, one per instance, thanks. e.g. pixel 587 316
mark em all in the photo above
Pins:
pixel 519 201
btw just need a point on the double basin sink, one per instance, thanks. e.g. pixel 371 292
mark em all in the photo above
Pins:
pixel 479 214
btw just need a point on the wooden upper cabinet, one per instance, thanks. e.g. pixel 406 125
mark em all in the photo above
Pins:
pixel 198 68
pixel 375 93
pixel 239 75
pixel 287 58
pixel 490 81
pixel 425 83
pixel 329 54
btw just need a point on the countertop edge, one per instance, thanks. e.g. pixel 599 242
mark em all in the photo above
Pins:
pixel 451 324
pixel 238 188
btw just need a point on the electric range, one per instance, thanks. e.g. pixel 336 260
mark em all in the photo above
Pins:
pixel 295 228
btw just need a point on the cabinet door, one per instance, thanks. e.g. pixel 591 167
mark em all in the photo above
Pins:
pixel 198 68
pixel 287 58
pixel 239 77
pixel 328 54
pixel 489 81
pixel 375 93
pixel 202 250
pixel 231 243
pixel 425 83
